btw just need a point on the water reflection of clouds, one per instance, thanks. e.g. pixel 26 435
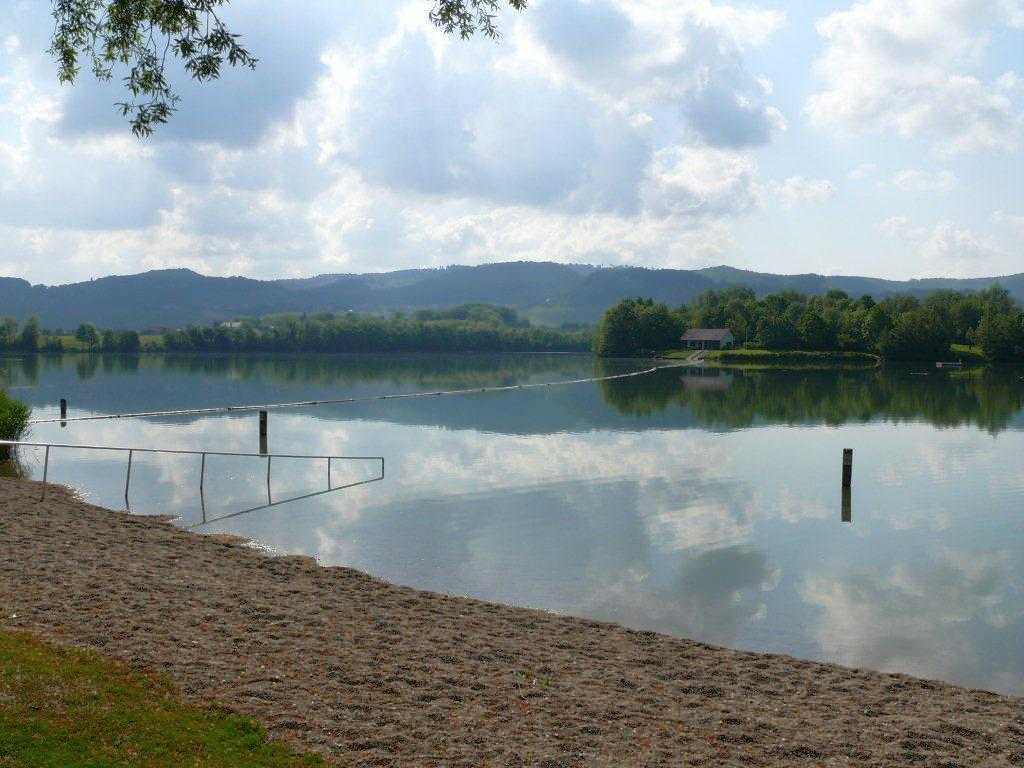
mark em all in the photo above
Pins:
pixel 577 547
pixel 952 614
pixel 941 458
pixel 730 537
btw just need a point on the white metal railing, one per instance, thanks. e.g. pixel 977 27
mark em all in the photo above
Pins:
pixel 202 469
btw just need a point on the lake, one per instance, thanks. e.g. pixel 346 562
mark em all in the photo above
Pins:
pixel 697 503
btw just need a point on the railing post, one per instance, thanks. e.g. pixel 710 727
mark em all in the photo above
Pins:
pixel 202 481
pixel 202 475
pixel 268 481
pixel 328 473
pixel 46 469
pixel 128 479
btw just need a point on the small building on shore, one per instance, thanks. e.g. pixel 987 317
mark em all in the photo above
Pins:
pixel 709 338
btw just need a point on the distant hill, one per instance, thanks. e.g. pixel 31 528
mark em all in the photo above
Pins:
pixel 548 293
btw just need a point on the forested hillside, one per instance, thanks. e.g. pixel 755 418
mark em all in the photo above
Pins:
pixel 547 293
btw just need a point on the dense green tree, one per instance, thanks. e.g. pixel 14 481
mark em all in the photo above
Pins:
pixel 128 341
pixel 1001 335
pixel 815 331
pixel 87 335
pixel 996 299
pixel 28 339
pixel 853 333
pixel 918 334
pixel 8 333
pixel 777 332
pixel 635 326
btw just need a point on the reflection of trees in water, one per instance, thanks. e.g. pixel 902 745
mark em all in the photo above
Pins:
pixel 988 398
pixel 25 369
pixel 20 370
pixel 424 370
pixel 467 370
pixel 86 365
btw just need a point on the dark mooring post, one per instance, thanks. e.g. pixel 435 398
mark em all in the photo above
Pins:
pixel 63 411
pixel 263 432
pixel 847 467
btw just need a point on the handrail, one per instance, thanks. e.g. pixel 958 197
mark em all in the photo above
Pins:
pixel 202 470
pixel 21 443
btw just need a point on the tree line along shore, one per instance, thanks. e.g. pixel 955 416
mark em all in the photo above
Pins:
pixel 977 327
pixel 987 326
pixel 466 328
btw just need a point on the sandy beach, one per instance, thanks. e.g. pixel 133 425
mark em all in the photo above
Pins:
pixel 368 673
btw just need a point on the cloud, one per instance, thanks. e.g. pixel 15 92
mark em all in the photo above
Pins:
pixel 609 131
pixel 912 69
pixel 372 141
pixel 417 125
pixel 589 36
pixel 687 56
pixel 945 245
pixel 797 189
pixel 242 105
pixel 911 180
pixel 1013 221
pixel 684 182
pixel 113 186
pixel 862 171
pixel 362 226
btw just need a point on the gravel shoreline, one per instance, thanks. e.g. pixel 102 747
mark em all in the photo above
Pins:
pixel 373 674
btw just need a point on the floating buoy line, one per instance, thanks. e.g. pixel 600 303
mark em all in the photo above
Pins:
pixel 349 400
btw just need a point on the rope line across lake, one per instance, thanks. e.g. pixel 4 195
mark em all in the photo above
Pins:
pixel 347 400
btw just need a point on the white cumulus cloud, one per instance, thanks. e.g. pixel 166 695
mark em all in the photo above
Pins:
pixel 949 248
pixel 798 189
pixel 915 68
pixel 912 180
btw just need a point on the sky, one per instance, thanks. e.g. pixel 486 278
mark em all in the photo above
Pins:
pixel 881 138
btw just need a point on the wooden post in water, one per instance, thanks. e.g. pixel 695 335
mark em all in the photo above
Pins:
pixel 847 467
pixel 63 411
pixel 263 432
pixel 847 513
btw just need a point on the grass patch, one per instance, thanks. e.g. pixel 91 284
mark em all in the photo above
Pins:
pixel 65 707
pixel 792 356
pixel 967 354
pixel 787 357
pixel 13 417
pixel 148 342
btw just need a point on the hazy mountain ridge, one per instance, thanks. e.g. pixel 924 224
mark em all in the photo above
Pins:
pixel 547 292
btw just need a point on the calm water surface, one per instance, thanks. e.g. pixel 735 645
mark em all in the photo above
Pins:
pixel 702 506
